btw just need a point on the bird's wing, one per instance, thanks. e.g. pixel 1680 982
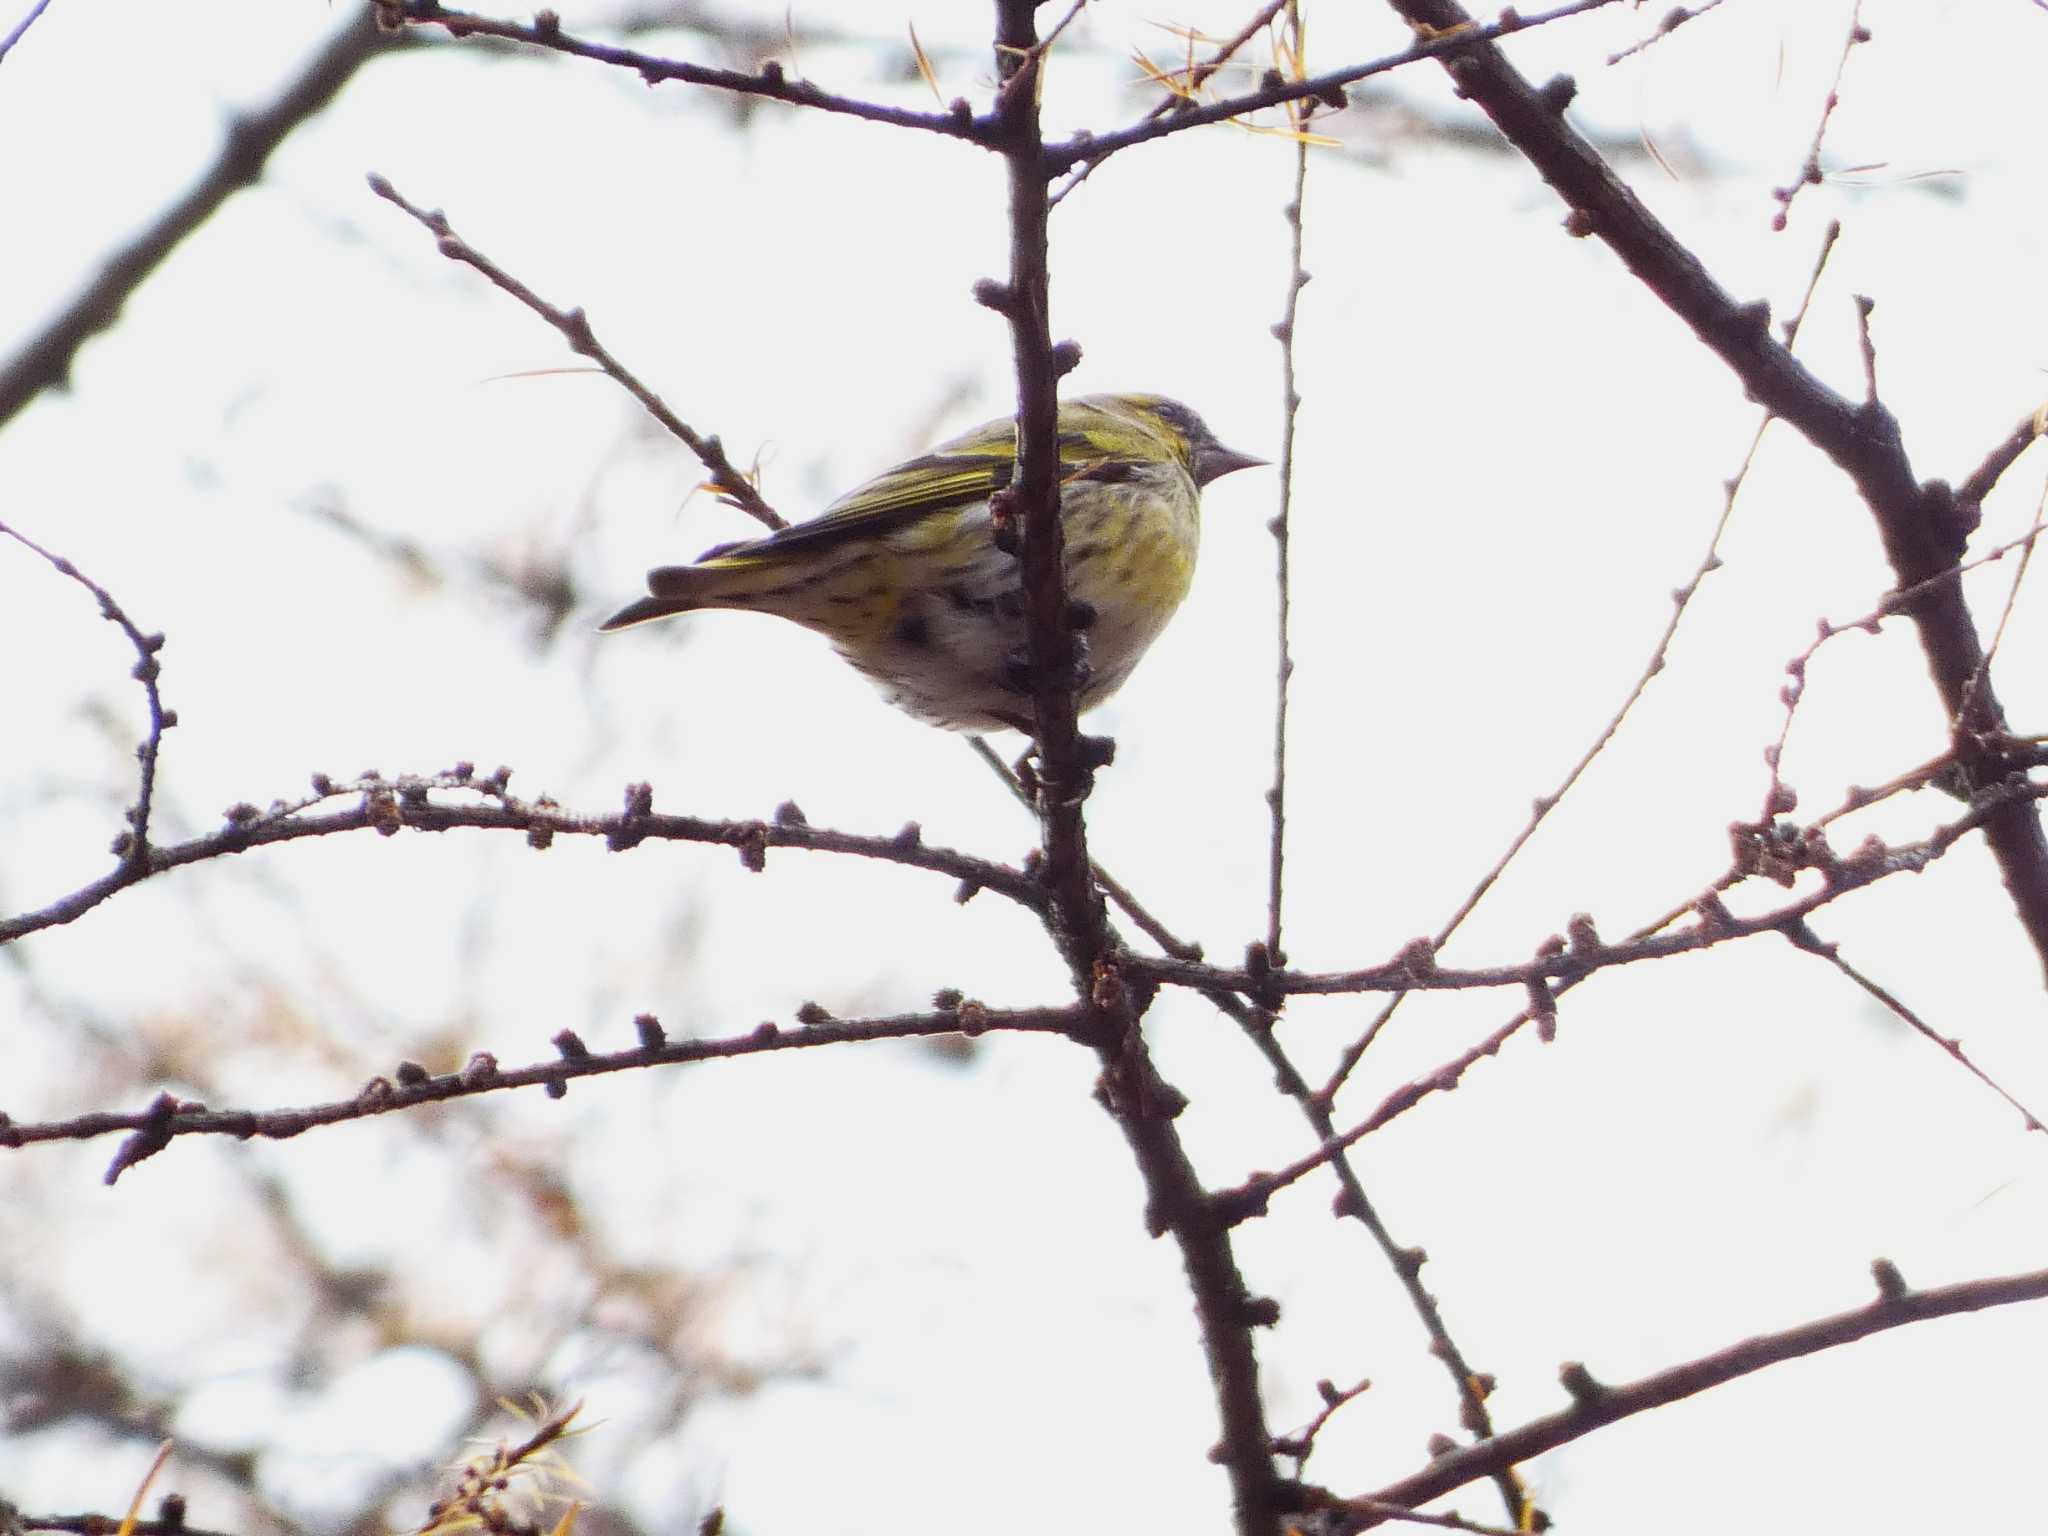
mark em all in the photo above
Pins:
pixel 960 471
pixel 967 469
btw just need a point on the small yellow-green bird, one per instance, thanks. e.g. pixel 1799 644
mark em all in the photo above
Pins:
pixel 904 576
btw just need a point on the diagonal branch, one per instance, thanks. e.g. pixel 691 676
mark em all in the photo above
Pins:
pixel 45 363
pixel 727 481
pixel 1653 668
pixel 1920 525
pixel 1595 1404
pixel 20 29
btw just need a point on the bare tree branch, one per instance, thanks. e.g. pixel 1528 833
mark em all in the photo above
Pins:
pixel 1803 937
pixel 957 122
pixel 20 29
pixel 151 1130
pixel 387 806
pixel 1415 968
pixel 45 362
pixel 1809 169
pixel 1092 149
pixel 1596 1404
pixel 132 846
pixel 1979 482
pixel 1653 668
pixel 1920 525
pixel 728 482
pixel 1281 525
pixel 1141 1102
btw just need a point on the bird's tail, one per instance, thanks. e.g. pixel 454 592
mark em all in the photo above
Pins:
pixel 671 589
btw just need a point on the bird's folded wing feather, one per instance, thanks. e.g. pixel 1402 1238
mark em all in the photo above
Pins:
pixel 965 470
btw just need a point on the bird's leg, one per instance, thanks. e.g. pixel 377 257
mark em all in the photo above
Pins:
pixel 1026 769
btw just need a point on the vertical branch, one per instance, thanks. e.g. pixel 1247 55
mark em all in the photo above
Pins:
pixel 1142 1103
pixel 1033 495
pixel 1290 410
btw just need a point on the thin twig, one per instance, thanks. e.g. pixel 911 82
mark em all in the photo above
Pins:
pixel 1809 171
pixel 1803 938
pixel 1414 969
pixel 1290 414
pixel 1198 74
pixel 20 29
pixel 1182 92
pixel 1916 521
pixel 1301 1445
pixel 727 481
pixel 1113 888
pixel 1672 20
pixel 1681 601
pixel 1557 969
pixel 1467 37
pixel 150 1130
pixel 1447 1522
pixel 957 122
pixel 1778 797
pixel 388 806
pixel 1353 1201
pixel 2005 613
pixel 1232 1207
pixel 1596 1404
pixel 1979 482
pixel 131 847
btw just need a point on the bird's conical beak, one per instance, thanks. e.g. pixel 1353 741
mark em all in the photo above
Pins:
pixel 1216 461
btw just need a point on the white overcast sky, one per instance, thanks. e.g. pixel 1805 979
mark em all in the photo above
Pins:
pixel 1509 457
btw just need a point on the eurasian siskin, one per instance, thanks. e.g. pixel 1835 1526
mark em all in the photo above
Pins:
pixel 904 574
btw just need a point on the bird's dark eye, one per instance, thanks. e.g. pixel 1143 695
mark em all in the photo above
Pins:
pixel 1180 419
